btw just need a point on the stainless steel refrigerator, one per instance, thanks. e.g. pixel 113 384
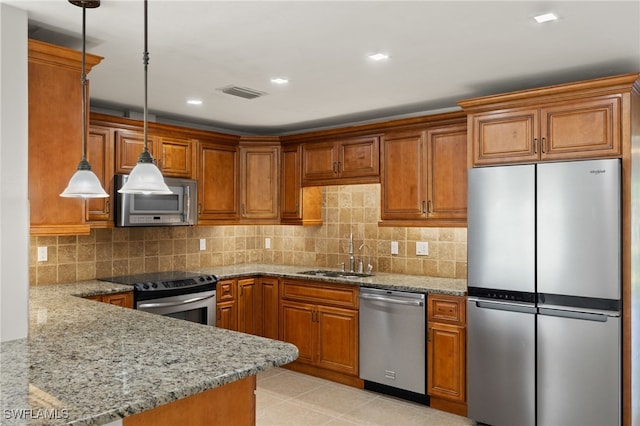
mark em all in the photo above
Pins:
pixel 544 278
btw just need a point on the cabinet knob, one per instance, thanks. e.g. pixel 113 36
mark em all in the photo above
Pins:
pixel 544 145
pixel 535 145
pixel 429 207
pixel 107 207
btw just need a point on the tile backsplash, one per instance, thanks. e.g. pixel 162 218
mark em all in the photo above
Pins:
pixel 353 209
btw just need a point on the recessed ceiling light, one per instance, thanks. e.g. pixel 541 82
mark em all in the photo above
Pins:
pixel 194 102
pixel 379 56
pixel 545 18
pixel 279 80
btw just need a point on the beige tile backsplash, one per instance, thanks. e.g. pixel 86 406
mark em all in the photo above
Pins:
pixel 346 209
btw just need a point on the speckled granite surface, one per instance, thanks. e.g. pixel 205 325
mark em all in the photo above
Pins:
pixel 90 363
pixel 415 283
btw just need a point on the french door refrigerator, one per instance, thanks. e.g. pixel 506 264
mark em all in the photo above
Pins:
pixel 544 278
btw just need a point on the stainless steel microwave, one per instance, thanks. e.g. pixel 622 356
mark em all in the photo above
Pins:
pixel 178 208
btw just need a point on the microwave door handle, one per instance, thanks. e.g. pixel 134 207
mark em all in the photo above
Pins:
pixel 186 203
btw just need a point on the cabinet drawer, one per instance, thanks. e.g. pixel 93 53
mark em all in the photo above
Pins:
pixel 320 292
pixel 445 308
pixel 225 291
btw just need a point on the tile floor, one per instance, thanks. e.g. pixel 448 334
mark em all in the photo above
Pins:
pixel 288 398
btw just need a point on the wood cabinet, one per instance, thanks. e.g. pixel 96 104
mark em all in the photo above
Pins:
pixel 446 353
pixel 249 306
pixel 588 127
pixel 218 171
pixel 424 176
pixel 100 153
pixel 124 299
pixel 269 298
pixel 173 156
pixel 298 205
pixel 226 305
pixel 322 321
pixel 259 181
pixel 349 160
pixel 55 137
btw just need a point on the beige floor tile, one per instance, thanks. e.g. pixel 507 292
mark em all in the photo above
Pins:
pixel 335 399
pixel 289 384
pixel 291 414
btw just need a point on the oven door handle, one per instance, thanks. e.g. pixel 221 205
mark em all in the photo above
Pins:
pixel 169 304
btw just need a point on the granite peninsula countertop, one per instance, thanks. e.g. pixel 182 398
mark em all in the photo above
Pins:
pixel 90 363
pixel 402 282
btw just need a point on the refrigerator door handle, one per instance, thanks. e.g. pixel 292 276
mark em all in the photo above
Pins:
pixel 563 312
pixel 503 306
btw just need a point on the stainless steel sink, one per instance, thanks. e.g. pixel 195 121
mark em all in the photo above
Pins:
pixel 336 274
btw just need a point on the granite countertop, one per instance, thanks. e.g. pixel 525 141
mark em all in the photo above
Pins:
pixel 90 363
pixel 414 283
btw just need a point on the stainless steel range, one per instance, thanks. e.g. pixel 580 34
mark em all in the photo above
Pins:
pixel 178 294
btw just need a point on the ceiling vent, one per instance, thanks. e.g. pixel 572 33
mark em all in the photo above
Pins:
pixel 242 92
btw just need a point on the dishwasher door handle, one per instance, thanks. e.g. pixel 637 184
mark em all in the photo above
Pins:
pixel 410 302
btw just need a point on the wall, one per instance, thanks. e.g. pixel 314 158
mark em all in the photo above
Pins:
pixel 14 205
pixel 346 209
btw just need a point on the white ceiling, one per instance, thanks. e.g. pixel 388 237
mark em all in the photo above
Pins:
pixel 440 52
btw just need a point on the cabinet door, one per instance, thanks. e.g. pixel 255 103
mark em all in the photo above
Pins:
pixel 226 291
pixel 297 326
pixel 359 157
pixel 226 315
pixel 269 307
pixel 580 129
pixel 290 191
pixel 504 137
pixel 100 153
pixel 447 172
pixel 248 315
pixel 120 299
pixel 446 359
pixel 176 157
pixel 217 182
pixel 403 176
pixel 259 182
pixel 129 145
pixel 319 162
pixel 337 339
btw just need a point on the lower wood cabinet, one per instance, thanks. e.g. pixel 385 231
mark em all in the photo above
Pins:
pixel 446 353
pixel 226 309
pixel 124 299
pixel 322 321
pixel 249 305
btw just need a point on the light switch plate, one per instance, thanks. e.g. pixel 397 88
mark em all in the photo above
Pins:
pixel 42 254
pixel 203 244
pixel 394 247
pixel 422 248
pixel 267 243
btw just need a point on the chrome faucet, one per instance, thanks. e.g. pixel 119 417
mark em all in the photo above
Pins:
pixel 369 265
pixel 352 259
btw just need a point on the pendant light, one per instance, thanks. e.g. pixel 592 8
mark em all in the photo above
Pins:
pixel 84 183
pixel 145 178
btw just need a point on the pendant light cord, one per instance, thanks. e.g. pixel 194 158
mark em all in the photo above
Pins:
pixel 145 60
pixel 83 80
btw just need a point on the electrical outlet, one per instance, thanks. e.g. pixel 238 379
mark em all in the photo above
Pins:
pixel 203 244
pixel 394 247
pixel 267 243
pixel 422 248
pixel 42 254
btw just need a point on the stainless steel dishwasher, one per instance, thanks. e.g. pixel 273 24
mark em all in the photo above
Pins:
pixel 393 355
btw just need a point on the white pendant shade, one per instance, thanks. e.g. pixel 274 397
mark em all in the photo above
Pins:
pixel 145 178
pixel 84 184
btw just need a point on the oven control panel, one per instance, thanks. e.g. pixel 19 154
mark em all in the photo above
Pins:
pixel 160 285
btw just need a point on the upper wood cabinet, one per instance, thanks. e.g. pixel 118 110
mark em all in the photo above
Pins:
pixel 563 122
pixel 55 137
pixel 100 153
pixel 424 176
pixel 173 156
pixel 349 160
pixel 298 206
pixel 218 172
pixel 259 181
